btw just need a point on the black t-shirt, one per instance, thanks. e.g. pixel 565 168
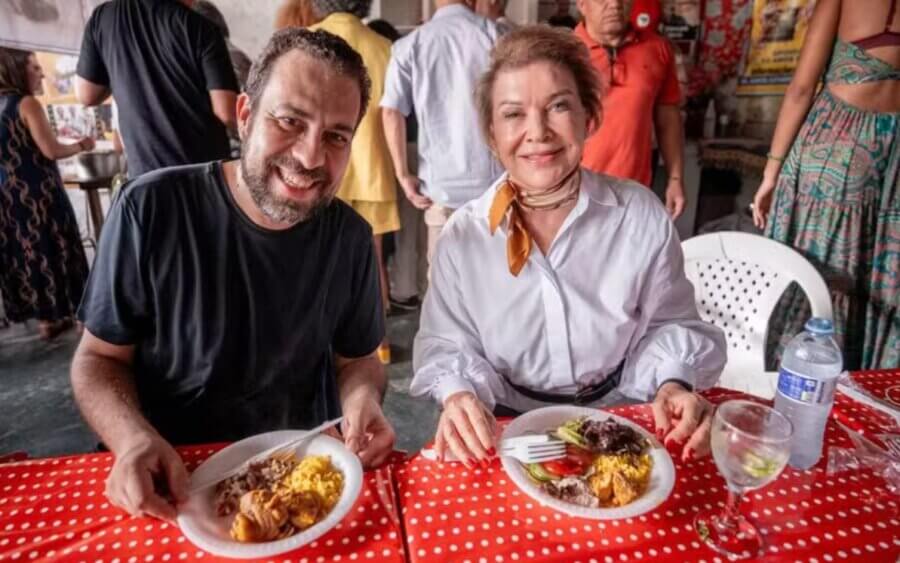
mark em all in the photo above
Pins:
pixel 160 59
pixel 234 326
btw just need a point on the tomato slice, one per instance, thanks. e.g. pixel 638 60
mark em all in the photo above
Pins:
pixel 562 467
pixel 579 455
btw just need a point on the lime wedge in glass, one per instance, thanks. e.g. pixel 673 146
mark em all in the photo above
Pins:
pixel 759 467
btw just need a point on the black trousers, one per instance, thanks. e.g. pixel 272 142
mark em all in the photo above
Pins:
pixel 500 411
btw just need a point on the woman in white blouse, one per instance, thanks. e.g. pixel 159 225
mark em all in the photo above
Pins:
pixel 558 285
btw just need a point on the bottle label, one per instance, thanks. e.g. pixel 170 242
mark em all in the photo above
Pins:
pixel 805 389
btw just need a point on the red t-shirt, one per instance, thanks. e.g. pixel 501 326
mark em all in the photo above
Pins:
pixel 642 77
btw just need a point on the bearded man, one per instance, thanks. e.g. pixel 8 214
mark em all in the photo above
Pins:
pixel 233 298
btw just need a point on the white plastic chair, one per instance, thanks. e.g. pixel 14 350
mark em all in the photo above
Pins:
pixel 738 279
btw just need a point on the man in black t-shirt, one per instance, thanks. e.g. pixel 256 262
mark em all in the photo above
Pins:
pixel 169 70
pixel 233 298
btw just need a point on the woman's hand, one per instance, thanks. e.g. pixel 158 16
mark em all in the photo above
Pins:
pixel 683 420
pixel 762 202
pixel 467 428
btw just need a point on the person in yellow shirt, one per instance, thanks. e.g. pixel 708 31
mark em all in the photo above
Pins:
pixel 369 185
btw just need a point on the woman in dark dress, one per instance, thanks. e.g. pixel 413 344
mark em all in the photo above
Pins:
pixel 42 262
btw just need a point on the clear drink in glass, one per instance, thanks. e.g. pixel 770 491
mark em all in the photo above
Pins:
pixel 751 444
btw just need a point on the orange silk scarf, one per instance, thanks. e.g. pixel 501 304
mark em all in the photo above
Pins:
pixel 510 199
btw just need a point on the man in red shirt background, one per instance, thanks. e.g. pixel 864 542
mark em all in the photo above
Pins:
pixel 637 68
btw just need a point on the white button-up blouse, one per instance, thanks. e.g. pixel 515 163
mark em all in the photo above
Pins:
pixel 611 288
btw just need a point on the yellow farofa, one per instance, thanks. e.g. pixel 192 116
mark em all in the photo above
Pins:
pixel 317 474
pixel 633 468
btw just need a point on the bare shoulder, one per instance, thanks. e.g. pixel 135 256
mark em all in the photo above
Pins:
pixel 859 18
pixel 31 110
pixel 30 104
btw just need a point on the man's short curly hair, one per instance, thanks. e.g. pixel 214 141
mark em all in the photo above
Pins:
pixel 322 46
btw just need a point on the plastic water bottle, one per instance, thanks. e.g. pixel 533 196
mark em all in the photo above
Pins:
pixel 806 381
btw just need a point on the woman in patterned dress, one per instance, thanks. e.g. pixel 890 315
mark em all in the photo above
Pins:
pixel 42 262
pixel 834 175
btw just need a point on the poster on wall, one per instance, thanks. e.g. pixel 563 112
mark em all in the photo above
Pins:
pixel 67 117
pixel 680 22
pixel 776 37
pixel 59 78
pixel 681 19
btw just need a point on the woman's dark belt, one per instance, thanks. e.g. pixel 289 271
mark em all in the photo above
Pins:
pixel 584 396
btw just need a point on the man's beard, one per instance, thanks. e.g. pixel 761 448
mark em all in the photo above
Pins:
pixel 284 211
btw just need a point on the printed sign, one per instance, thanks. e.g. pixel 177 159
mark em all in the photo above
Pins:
pixel 776 38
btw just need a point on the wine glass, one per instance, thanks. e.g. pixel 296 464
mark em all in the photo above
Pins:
pixel 751 444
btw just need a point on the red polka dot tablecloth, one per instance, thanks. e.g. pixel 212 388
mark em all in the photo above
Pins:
pixel 55 510
pixel 884 384
pixel 454 514
pixel 881 385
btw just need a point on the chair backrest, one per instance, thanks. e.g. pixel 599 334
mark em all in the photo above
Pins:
pixel 738 279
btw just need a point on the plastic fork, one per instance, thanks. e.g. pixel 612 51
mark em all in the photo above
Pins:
pixel 892 443
pixel 280 450
pixel 533 449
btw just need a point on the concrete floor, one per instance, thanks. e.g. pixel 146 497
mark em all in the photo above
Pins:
pixel 38 415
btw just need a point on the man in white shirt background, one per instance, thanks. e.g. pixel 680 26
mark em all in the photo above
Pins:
pixel 433 73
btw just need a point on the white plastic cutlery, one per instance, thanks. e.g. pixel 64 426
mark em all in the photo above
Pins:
pixel 533 449
pixel 285 448
pixel 530 439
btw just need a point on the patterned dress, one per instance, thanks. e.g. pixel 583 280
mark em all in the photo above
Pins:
pixel 42 263
pixel 837 202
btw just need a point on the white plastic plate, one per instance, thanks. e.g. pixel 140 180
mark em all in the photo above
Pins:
pixel 662 476
pixel 201 525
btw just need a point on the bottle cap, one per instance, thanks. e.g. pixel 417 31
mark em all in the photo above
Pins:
pixel 816 325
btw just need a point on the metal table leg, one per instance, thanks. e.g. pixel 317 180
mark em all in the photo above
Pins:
pixel 96 210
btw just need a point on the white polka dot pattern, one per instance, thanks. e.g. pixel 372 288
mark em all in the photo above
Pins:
pixel 54 509
pixel 883 385
pixel 455 514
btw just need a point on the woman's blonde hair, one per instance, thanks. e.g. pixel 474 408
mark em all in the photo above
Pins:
pixel 538 43
pixel 295 13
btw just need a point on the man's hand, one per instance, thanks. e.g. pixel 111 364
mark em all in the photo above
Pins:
pixel 683 420
pixel 467 428
pixel 367 432
pixel 410 184
pixel 675 198
pixel 143 474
